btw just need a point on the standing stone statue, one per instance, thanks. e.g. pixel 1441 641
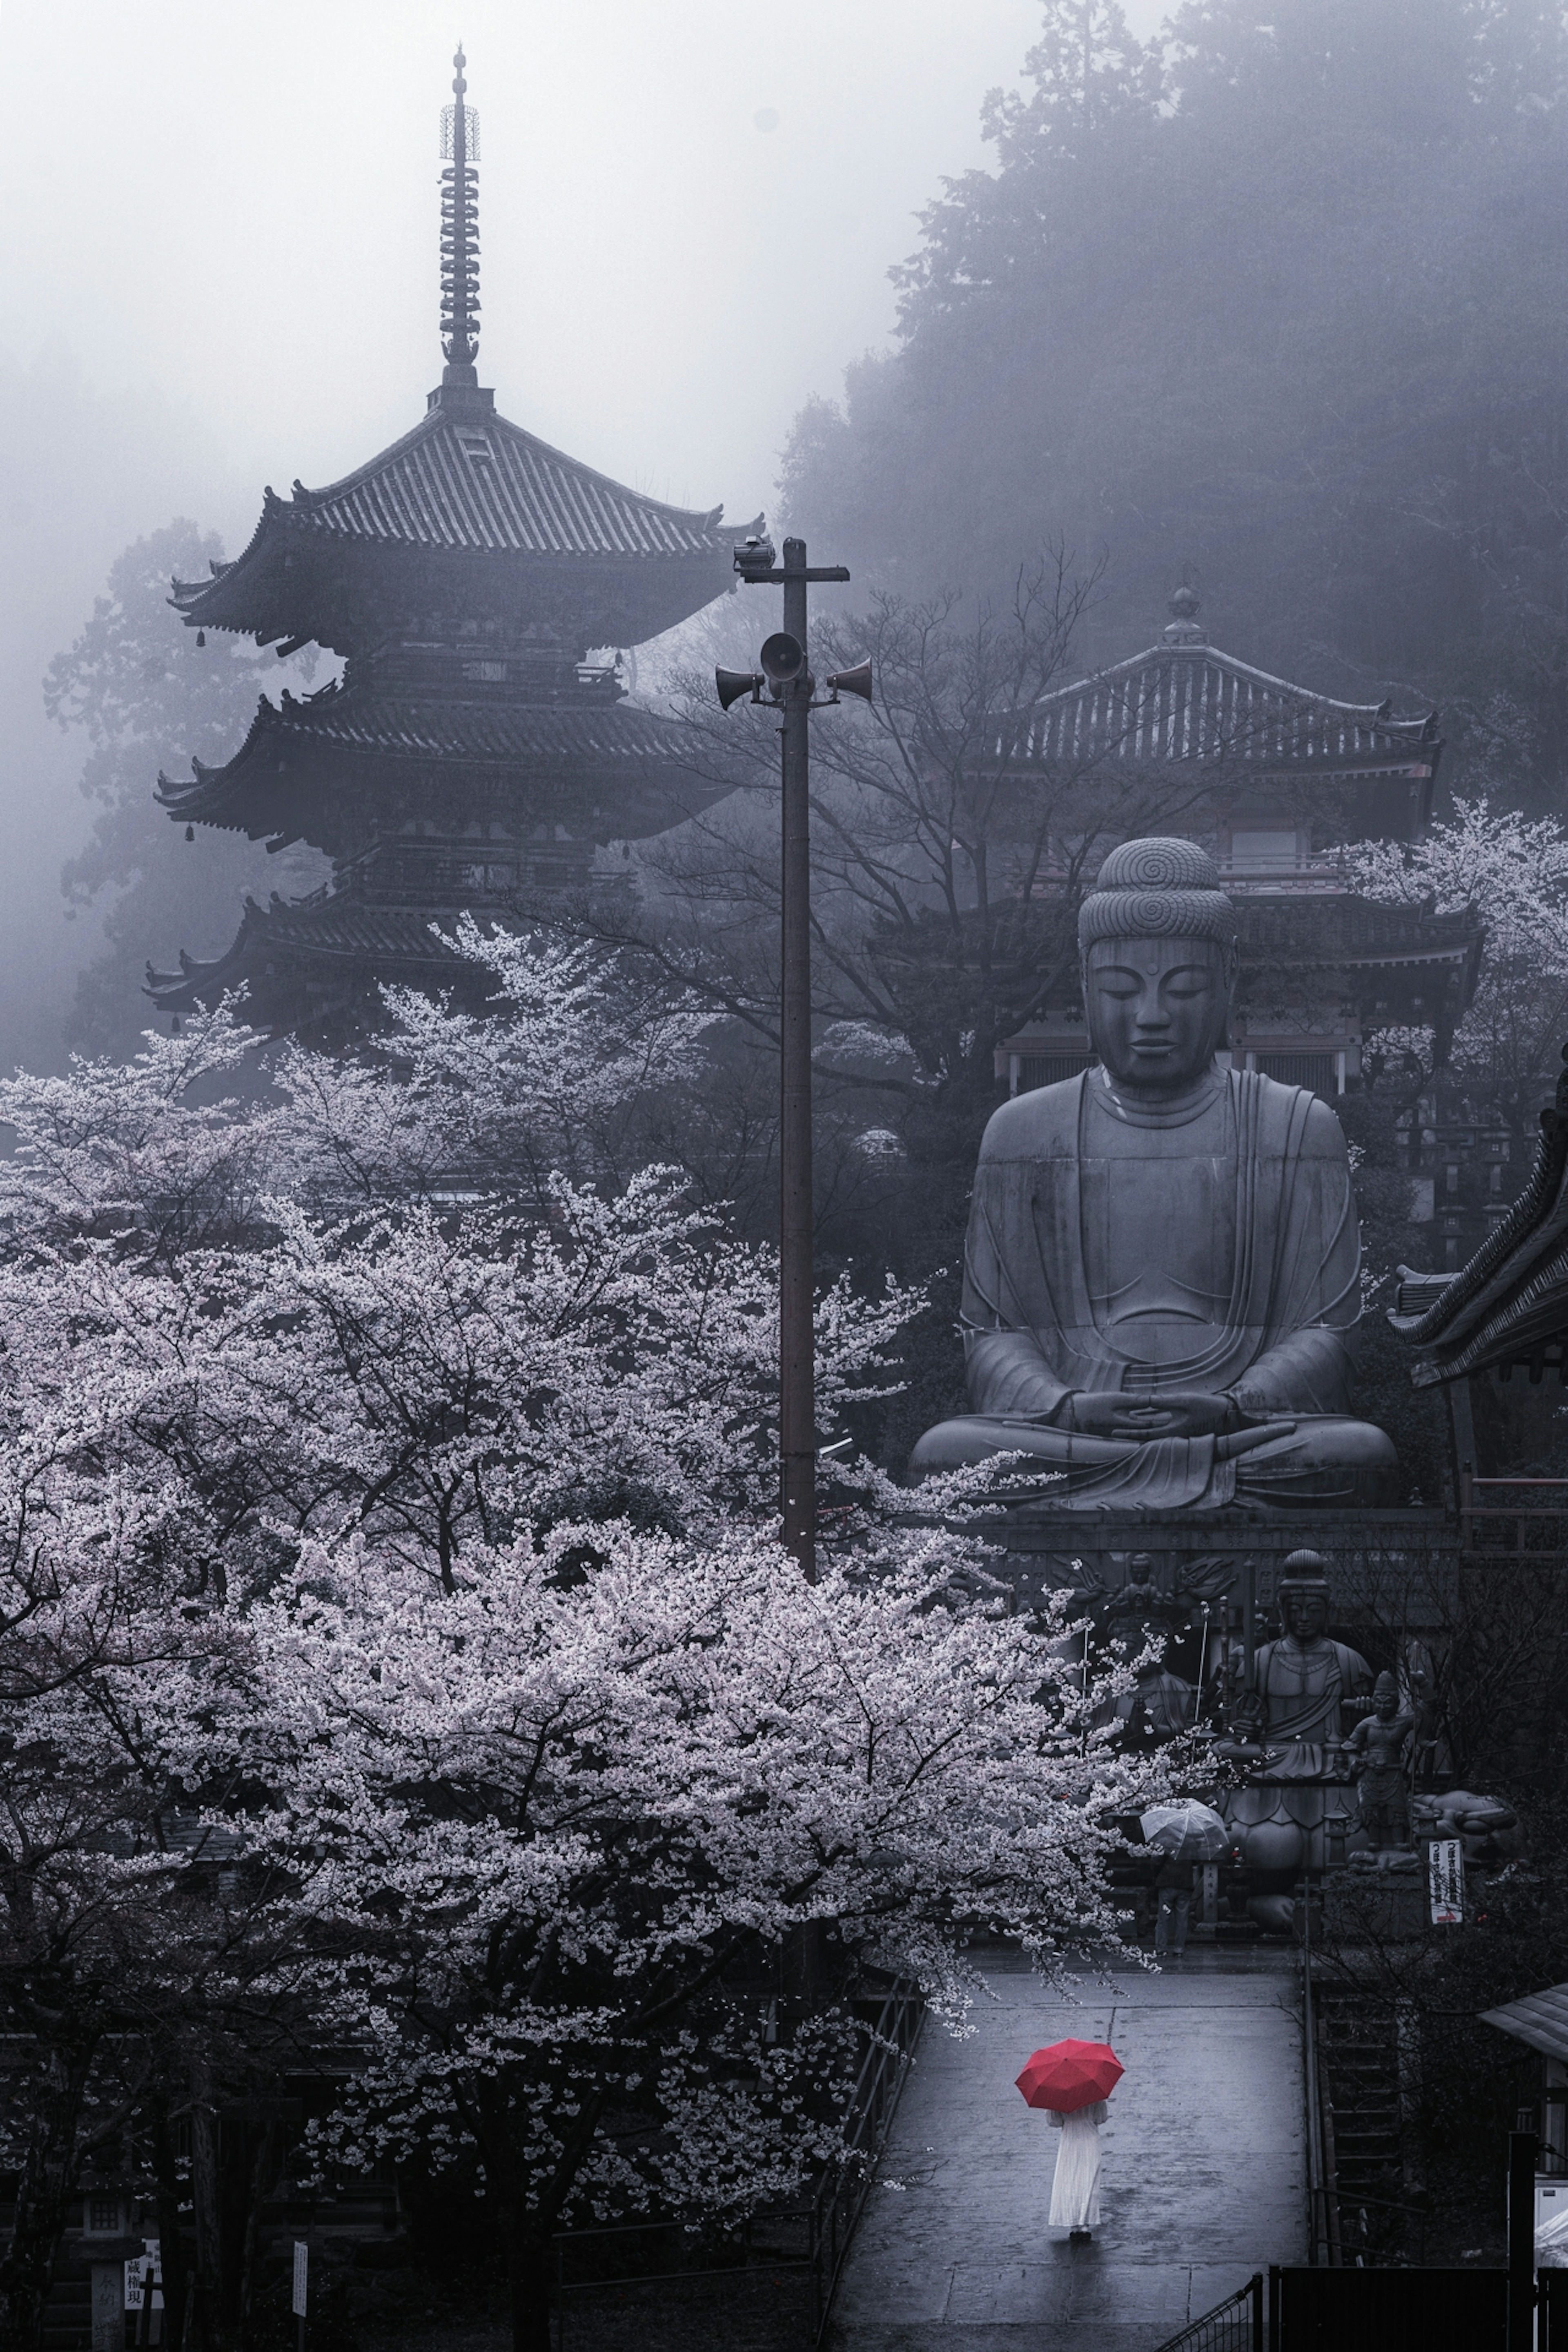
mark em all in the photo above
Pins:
pixel 1376 1751
pixel 1305 1679
pixel 1140 1613
pixel 1162 1279
pixel 1296 1806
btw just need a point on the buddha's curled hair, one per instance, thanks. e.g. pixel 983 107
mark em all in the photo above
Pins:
pixel 1159 888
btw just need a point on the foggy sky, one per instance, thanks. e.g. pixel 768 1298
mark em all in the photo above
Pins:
pixel 220 271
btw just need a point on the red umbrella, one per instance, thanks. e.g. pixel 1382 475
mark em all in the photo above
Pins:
pixel 1069 2075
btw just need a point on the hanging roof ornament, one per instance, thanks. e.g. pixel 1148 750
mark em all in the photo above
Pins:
pixel 459 235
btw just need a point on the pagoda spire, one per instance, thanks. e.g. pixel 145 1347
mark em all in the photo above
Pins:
pixel 459 234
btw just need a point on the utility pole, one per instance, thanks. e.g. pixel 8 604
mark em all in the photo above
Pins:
pixel 787 677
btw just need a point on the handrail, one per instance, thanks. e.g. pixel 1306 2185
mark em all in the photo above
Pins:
pixel 841 2194
pixel 1234 2325
pixel 829 2217
pixel 1316 2193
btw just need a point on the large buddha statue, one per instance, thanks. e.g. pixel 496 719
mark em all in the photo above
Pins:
pixel 1161 1281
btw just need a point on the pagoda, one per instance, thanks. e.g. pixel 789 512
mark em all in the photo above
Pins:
pixel 478 746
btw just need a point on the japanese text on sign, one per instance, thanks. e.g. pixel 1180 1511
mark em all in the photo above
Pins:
pixel 1447 1871
pixel 143 2283
pixel 301 2275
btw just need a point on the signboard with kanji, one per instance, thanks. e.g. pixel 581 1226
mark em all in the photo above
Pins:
pixel 301 2275
pixel 1446 1871
pixel 143 2283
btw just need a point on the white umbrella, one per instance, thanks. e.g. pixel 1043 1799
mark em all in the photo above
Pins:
pixel 1186 1830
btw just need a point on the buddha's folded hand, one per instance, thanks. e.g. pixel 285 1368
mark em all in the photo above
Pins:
pixel 1183 1412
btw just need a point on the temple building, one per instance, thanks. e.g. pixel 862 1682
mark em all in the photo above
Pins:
pixel 1281 779
pixel 478 746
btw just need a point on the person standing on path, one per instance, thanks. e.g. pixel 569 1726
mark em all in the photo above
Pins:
pixel 1075 2188
pixel 1173 1882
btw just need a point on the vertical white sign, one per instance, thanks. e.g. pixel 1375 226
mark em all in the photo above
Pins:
pixel 1446 1878
pixel 301 2275
pixel 136 2271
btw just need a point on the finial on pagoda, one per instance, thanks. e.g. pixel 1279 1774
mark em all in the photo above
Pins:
pixel 1182 629
pixel 459 234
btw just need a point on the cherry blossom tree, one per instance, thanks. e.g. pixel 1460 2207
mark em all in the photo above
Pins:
pixel 1511 873
pixel 569 1808
pixel 397 1506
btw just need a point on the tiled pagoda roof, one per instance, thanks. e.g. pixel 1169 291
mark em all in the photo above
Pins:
pixel 463 484
pixel 603 745
pixel 400 942
pixel 1187 700
pixel 468 489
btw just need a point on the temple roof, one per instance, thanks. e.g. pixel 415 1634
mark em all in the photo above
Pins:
pixel 1538 2019
pixel 1347 932
pixel 324 930
pixel 597 746
pixel 463 485
pixel 473 480
pixel 1511 1299
pixel 1184 699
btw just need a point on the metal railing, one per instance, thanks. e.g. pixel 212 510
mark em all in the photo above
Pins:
pixel 1322 2216
pixel 1503 1530
pixel 1234 2325
pixel 843 2191
pixel 792 2254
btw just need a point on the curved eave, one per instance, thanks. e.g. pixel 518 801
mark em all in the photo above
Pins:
pixel 1422 728
pixel 399 944
pixel 295 762
pixel 1512 1295
pixel 1146 708
pixel 302 587
pixel 527 509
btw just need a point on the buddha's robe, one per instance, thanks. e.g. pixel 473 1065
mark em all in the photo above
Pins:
pixel 1304 1686
pixel 1208 1246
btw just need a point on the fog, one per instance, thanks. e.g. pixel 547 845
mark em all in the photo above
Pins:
pixel 220 271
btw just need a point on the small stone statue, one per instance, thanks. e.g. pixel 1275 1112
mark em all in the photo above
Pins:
pixel 1305 1681
pixel 1375 1750
pixel 1141 1611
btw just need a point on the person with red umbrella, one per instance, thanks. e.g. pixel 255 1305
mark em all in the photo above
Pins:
pixel 1072 2081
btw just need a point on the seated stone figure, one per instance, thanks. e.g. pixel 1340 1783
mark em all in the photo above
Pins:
pixel 1161 1280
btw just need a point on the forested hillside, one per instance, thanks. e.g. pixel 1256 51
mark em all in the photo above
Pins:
pixel 1280 308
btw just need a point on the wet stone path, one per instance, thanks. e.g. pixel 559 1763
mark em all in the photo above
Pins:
pixel 1203 2181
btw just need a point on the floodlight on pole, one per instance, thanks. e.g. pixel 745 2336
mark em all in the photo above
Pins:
pixel 785 671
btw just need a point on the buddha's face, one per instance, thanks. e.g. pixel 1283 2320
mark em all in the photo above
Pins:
pixel 1157 1009
pixel 1307 1616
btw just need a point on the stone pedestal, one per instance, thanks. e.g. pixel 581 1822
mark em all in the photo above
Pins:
pixel 1384 1564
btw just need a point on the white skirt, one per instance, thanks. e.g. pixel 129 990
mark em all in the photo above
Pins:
pixel 1075 2190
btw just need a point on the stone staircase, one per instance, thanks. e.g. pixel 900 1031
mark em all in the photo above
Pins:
pixel 1358 2061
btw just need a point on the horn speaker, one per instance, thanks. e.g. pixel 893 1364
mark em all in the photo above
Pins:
pixel 783 657
pixel 853 681
pixel 733 683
